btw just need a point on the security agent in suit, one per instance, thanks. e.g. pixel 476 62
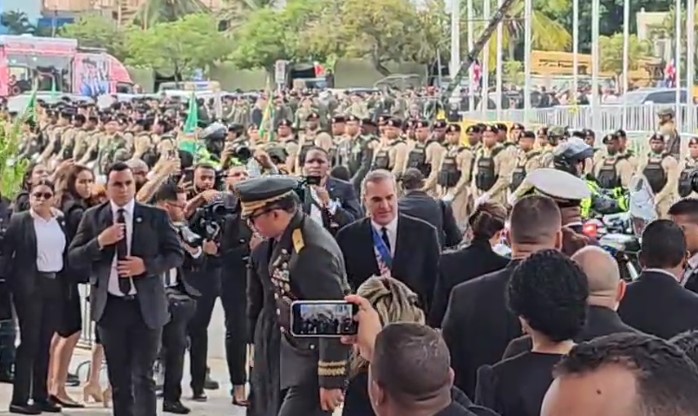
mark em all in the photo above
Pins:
pixel 685 214
pixel 305 264
pixel 181 298
pixel 330 201
pixel 478 325
pixel 606 289
pixel 417 203
pixel 390 243
pixel 128 247
pixel 655 303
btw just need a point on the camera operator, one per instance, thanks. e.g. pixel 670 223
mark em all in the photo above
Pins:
pixel 181 302
pixel 330 201
pixel 207 280
pixel 234 254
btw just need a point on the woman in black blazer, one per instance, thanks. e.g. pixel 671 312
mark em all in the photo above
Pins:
pixel 485 226
pixel 73 199
pixel 34 258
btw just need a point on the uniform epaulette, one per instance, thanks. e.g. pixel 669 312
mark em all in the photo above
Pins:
pixel 298 242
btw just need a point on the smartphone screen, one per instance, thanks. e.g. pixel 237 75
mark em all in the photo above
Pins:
pixel 323 319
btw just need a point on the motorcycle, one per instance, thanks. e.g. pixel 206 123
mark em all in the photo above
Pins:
pixel 619 234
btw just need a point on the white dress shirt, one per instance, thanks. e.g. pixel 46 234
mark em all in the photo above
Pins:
pixel 170 279
pixel 50 244
pixel 391 229
pixel 691 267
pixel 113 286
pixel 315 212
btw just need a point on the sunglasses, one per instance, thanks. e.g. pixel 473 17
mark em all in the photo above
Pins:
pixel 45 195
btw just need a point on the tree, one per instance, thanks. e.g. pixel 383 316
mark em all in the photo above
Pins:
pixel 236 12
pixel 269 35
pixel 16 22
pixel 178 47
pixel 611 52
pixel 94 31
pixel 152 12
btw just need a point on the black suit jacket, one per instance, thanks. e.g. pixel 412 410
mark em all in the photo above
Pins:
pixel 656 304
pixel 154 240
pixel 600 321
pixel 459 266
pixel 478 325
pixel 19 254
pixel 692 282
pixel 349 209
pixel 438 213
pixel 415 262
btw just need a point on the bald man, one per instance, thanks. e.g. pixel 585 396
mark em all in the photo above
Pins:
pixel 606 289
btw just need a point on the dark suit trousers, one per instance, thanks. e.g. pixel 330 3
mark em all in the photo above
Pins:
pixel 8 336
pixel 234 299
pixel 208 283
pixel 302 400
pixel 174 345
pixel 130 348
pixel 38 315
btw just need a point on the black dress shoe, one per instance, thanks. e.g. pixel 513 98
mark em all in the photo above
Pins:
pixel 175 407
pixel 47 406
pixel 199 396
pixel 209 383
pixel 25 409
pixel 67 405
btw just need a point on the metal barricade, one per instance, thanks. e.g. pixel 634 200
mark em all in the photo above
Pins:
pixel 609 116
pixel 87 334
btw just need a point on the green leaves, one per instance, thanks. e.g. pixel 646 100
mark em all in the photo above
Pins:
pixel 178 47
pixel 611 52
pixel 94 31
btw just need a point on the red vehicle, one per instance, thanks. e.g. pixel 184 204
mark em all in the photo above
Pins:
pixel 58 64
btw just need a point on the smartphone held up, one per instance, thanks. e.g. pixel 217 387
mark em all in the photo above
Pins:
pixel 322 318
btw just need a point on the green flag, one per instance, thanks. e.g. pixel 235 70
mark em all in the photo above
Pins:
pixel 192 121
pixel 31 111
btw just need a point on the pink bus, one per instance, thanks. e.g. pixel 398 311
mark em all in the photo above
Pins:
pixel 58 64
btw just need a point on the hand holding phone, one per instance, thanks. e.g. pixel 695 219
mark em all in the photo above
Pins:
pixel 318 318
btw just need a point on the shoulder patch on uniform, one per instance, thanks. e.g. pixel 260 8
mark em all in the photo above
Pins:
pixel 298 242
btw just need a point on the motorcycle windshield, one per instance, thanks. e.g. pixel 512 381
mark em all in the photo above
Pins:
pixel 641 203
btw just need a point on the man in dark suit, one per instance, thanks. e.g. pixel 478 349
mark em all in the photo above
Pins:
pixel 388 243
pixel 478 326
pixel 181 297
pixel 656 303
pixel 417 203
pixel 606 289
pixel 330 201
pixel 685 214
pixel 128 246
pixel 305 263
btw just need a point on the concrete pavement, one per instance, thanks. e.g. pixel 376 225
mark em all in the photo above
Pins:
pixel 219 401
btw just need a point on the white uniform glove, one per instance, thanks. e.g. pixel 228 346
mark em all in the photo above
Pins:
pixel 447 198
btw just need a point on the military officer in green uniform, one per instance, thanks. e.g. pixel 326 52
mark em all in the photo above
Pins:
pixel 305 263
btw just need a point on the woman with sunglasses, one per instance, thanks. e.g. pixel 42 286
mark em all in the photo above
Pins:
pixel 34 259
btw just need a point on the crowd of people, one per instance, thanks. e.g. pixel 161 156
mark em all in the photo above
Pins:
pixel 399 217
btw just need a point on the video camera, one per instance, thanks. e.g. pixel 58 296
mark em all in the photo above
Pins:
pixel 306 181
pixel 207 221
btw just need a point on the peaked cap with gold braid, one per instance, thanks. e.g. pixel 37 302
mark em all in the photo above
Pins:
pixel 259 193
